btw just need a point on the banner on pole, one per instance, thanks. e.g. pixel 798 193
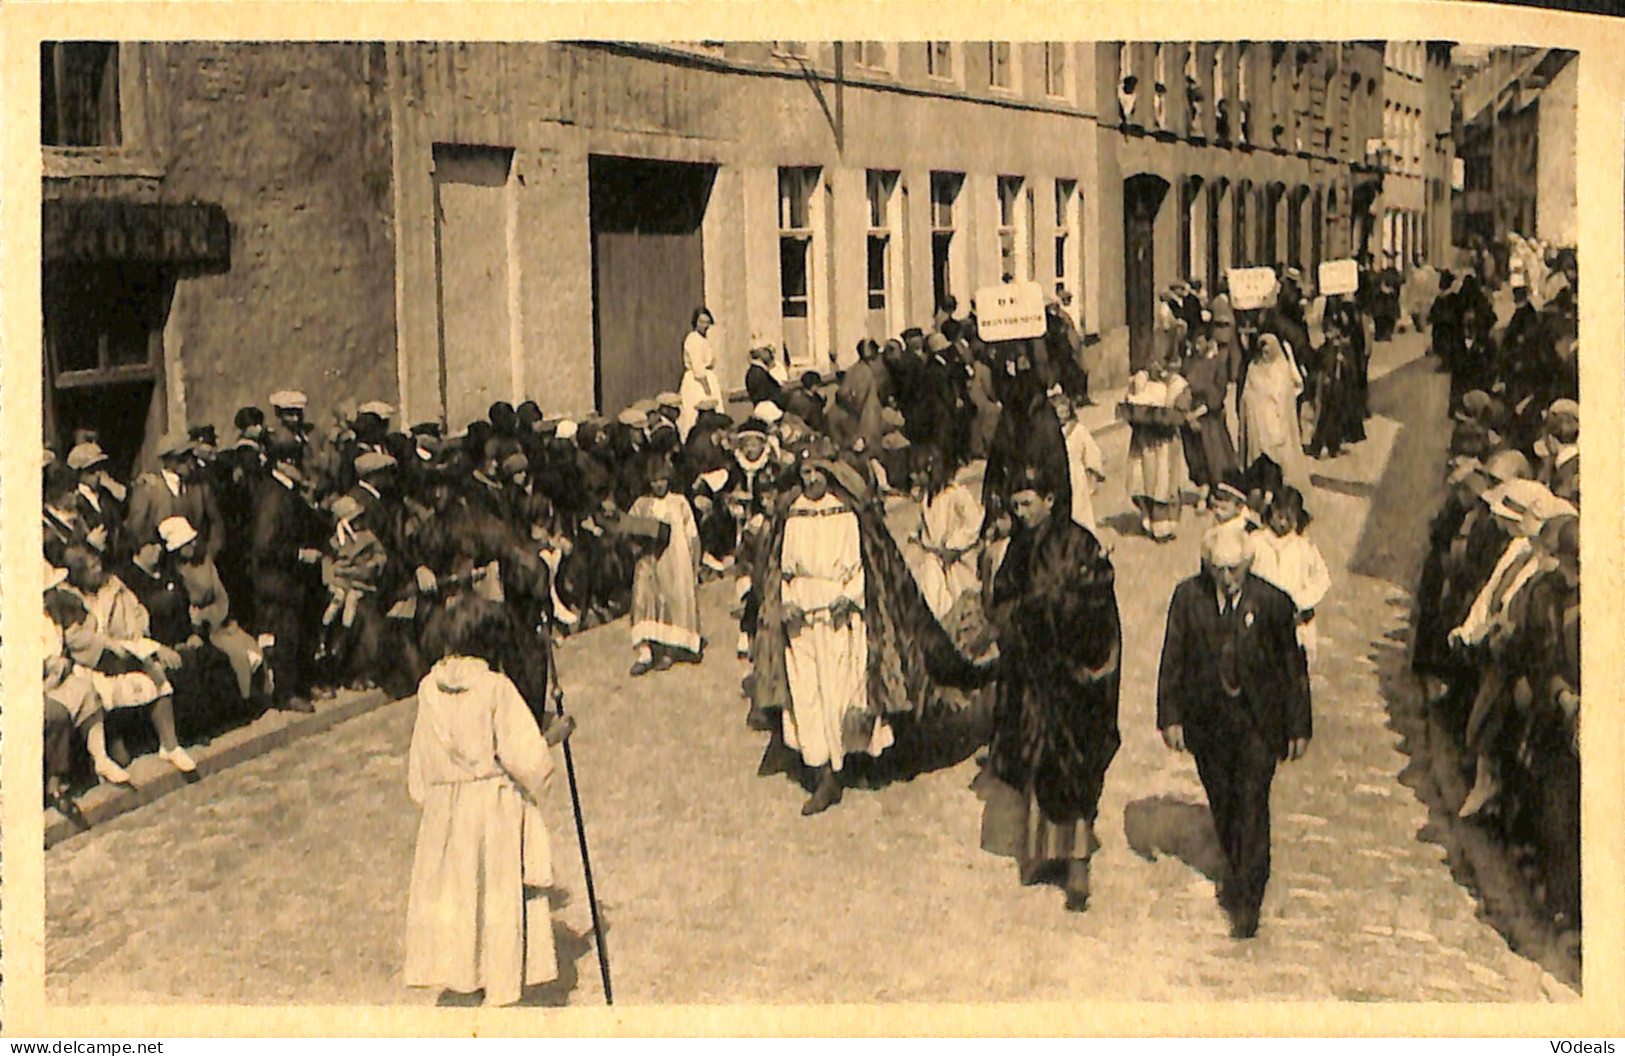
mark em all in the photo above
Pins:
pixel 1251 287
pixel 1010 311
pixel 1339 277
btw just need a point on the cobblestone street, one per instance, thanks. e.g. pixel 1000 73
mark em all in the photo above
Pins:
pixel 284 879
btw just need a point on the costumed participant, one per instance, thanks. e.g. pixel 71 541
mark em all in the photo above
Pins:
pixel 1086 466
pixel 477 909
pixel 1269 412
pixel 1231 513
pixel 699 371
pixel 943 552
pixel 844 639
pixel 665 600
pixel 1054 614
pixel 1155 406
pixel 1286 557
pixel 1209 453
pixel 750 488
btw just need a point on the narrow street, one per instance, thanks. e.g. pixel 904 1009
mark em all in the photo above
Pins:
pixel 285 878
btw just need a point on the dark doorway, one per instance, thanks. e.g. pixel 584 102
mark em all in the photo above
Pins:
pixel 648 272
pixel 1317 231
pixel 1142 197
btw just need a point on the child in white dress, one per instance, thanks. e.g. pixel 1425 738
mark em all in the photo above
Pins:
pixel 1285 556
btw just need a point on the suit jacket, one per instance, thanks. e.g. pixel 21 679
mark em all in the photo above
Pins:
pixel 151 502
pixel 1273 672
pixel 283 524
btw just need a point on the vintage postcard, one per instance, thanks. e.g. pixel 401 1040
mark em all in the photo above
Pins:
pixel 650 519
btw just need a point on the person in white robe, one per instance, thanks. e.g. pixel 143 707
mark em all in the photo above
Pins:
pixel 1085 464
pixel 827 649
pixel 1284 556
pixel 1156 456
pixel 699 372
pixel 477 915
pixel 665 585
pixel 1269 412
pixel 944 549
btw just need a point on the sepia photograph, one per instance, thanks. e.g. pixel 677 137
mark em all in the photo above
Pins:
pixel 809 522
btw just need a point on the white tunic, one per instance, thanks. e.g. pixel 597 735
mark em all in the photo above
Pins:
pixel 699 379
pixel 826 665
pixel 1294 564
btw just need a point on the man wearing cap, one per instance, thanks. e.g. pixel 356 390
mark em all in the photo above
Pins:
pixel 857 402
pixel 760 384
pixel 290 426
pixel 807 403
pixel 1233 690
pixel 1559 450
pixel 173 491
pixel 99 496
pixel 936 412
pixel 284 547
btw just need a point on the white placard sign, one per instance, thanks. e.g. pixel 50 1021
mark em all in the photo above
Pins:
pixel 1339 277
pixel 1010 311
pixel 1251 287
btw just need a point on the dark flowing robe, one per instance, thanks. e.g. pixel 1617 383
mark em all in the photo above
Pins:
pixel 1060 644
pixel 1028 435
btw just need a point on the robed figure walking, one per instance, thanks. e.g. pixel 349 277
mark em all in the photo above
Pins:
pixel 1233 689
pixel 1054 611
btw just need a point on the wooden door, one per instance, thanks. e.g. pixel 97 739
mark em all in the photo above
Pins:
pixel 648 272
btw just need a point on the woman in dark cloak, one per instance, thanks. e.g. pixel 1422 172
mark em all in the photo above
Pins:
pixel 908 652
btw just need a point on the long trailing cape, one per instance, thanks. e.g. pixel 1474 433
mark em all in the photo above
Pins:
pixel 909 652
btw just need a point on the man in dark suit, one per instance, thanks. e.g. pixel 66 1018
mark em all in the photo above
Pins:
pixel 284 547
pixel 1233 688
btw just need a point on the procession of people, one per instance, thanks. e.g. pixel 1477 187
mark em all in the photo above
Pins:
pixel 918 568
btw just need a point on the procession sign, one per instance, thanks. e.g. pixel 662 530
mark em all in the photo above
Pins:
pixel 1010 311
pixel 1250 287
pixel 1339 277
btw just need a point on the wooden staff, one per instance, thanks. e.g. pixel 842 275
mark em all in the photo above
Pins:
pixel 586 860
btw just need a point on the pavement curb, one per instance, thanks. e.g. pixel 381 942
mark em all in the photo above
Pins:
pixel 58 828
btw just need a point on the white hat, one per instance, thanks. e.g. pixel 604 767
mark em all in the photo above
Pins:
pixel 83 456
pixel 288 399
pixel 767 411
pixel 379 408
pixel 1522 497
pixel 176 532
pixel 567 429
pixel 669 399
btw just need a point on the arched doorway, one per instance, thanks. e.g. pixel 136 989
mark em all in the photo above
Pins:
pixel 1142 199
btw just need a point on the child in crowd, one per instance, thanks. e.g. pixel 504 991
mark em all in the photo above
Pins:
pixel 350 569
pixel 1286 557
pixel 665 599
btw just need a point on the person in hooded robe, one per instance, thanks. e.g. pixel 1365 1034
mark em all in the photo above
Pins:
pixel 477 915
pixel 1269 411
pixel 846 646
pixel 665 583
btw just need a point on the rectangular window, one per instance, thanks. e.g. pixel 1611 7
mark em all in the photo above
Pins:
pixel 1069 247
pixel 1000 62
pixel 1055 71
pixel 800 242
pixel 872 54
pixel 884 239
pixel 794 48
pixel 946 249
pixel 104 323
pixel 79 94
pixel 939 59
pixel 1015 230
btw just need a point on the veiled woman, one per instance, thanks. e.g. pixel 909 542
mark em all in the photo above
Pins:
pixel 1269 411
pixel 844 636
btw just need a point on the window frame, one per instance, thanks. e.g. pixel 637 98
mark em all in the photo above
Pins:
pixel 1067 71
pixel 950 49
pixel 1012 67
